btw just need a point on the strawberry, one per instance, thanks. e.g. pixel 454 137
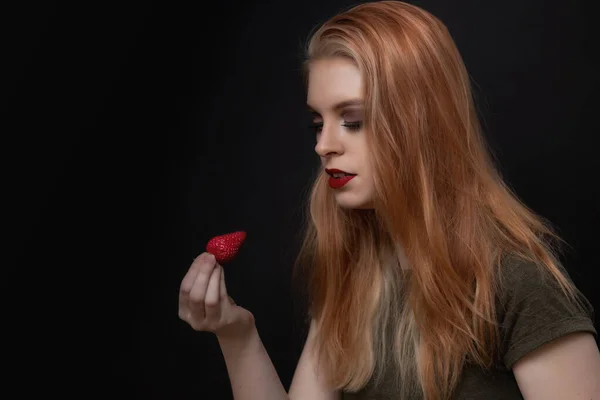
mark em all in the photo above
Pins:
pixel 226 247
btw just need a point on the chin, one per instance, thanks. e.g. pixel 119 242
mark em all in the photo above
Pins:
pixel 352 202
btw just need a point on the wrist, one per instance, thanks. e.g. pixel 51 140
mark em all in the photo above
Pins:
pixel 239 341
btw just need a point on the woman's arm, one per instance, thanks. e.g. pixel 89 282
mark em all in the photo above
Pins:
pixel 251 372
pixel 306 384
pixel 253 376
pixel 566 368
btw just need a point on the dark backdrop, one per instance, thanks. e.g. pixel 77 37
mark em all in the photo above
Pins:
pixel 135 132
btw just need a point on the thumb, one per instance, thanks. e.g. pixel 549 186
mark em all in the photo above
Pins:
pixel 223 289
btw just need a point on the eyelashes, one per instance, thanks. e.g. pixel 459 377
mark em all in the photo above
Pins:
pixel 351 126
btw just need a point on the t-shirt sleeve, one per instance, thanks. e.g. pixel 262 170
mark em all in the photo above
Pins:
pixel 533 310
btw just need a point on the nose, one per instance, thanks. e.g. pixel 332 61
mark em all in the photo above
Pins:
pixel 328 142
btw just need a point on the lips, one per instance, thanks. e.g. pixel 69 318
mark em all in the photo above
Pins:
pixel 338 178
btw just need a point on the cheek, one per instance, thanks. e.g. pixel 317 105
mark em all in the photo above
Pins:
pixel 368 181
pixel 365 156
pixel 367 168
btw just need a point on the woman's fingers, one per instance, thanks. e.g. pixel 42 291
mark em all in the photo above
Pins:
pixel 198 292
pixel 212 304
pixel 223 292
pixel 223 288
pixel 186 286
pixel 204 302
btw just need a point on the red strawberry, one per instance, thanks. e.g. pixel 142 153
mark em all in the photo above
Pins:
pixel 226 247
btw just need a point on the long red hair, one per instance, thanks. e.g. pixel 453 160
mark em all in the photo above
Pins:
pixel 440 205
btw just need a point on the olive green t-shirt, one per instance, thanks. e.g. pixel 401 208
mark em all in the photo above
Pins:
pixel 532 311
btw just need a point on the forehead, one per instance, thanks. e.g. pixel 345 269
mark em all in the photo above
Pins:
pixel 331 81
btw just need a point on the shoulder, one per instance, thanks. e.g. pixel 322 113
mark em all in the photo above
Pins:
pixel 517 273
pixel 533 309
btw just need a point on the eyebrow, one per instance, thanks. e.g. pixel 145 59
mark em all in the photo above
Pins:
pixel 341 105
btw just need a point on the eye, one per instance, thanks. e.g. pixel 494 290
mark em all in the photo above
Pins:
pixel 353 126
pixel 317 127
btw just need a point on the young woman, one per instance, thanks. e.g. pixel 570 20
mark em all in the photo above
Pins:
pixel 426 277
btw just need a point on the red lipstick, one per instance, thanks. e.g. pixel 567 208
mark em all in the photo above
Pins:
pixel 340 181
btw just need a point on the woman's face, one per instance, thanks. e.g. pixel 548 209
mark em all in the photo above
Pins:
pixel 335 98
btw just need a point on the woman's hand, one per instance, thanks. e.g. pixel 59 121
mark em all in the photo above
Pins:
pixel 205 305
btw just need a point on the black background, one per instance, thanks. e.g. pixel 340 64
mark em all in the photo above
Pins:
pixel 134 132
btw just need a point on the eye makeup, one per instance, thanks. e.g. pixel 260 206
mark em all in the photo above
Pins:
pixel 352 119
